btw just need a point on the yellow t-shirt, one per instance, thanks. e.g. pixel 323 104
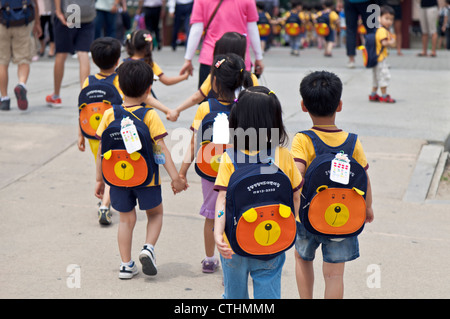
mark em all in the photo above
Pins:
pixel 303 151
pixel 380 35
pixel 206 85
pixel 156 69
pixel 283 159
pixel 151 119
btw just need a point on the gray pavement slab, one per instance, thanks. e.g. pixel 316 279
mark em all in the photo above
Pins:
pixel 49 233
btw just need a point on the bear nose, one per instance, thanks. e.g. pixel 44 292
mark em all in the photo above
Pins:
pixel 268 227
pixel 123 165
pixel 337 209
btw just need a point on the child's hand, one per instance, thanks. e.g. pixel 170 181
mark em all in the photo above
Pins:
pixel 81 142
pixel 185 75
pixel 172 115
pixel 99 189
pixel 369 215
pixel 179 185
pixel 223 247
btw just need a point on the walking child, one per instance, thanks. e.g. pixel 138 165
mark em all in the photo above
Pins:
pixel 228 75
pixel 321 99
pixel 230 42
pixel 106 55
pixel 295 26
pixel 134 175
pixel 384 39
pixel 328 21
pixel 276 180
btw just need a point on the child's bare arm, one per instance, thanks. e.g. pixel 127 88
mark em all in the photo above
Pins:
pixel 369 210
pixel 194 99
pixel 170 80
pixel 99 182
pixel 219 226
pixel 156 104
pixel 188 158
pixel 178 184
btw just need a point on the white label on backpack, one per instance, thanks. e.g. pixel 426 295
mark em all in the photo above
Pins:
pixel 340 169
pixel 130 136
pixel 221 131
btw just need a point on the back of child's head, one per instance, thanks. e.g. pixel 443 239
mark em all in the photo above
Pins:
pixel 321 93
pixel 260 5
pixel 140 42
pixel 387 10
pixel 105 52
pixel 228 74
pixel 257 121
pixel 328 3
pixel 296 3
pixel 448 2
pixel 231 42
pixel 135 77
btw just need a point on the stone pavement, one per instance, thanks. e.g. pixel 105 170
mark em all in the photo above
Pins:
pixel 51 245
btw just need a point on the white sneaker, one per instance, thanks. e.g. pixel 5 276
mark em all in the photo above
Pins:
pixel 127 272
pixel 148 261
pixel 351 65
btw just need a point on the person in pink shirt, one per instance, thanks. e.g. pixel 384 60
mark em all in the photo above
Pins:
pixel 231 16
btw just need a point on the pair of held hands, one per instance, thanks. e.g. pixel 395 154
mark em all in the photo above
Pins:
pixel 179 184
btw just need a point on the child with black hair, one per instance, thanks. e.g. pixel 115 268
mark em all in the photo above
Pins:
pixel 227 78
pixel 139 46
pixel 321 98
pixel 106 55
pixel 230 42
pixel 257 109
pixel 384 39
pixel 135 80
pixel 331 18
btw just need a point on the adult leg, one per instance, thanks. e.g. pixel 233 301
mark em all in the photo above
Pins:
pixel 351 21
pixel 334 280
pixel 58 72
pixel 4 79
pixel 398 35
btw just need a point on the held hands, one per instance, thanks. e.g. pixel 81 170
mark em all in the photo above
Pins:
pixel 179 184
pixel 172 115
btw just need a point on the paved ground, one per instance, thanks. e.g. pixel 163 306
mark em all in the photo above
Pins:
pixel 51 242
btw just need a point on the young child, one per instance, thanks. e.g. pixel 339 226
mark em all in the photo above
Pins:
pixel 321 99
pixel 106 55
pixel 139 45
pixel 257 108
pixel 294 17
pixel 442 24
pixel 381 73
pixel 230 42
pixel 331 18
pixel 227 76
pixel 135 80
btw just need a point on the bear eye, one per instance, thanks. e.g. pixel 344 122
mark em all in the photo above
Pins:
pixel 343 196
pixel 333 196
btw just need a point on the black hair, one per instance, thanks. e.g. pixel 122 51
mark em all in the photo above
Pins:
pixel 321 93
pixel 140 41
pixel 295 3
pixel 135 77
pixel 260 5
pixel 259 110
pixel 105 52
pixel 328 3
pixel 387 10
pixel 228 73
pixel 231 42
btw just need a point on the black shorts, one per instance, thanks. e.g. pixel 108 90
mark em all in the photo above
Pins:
pixel 124 199
pixel 71 40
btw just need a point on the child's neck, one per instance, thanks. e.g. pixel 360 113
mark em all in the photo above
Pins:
pixel 131 101
pixel 138 55
pixel 107 71
pixel 324 121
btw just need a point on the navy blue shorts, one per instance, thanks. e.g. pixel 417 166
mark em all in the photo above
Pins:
pixel 70 40
pixel 124 199
pixel 330 36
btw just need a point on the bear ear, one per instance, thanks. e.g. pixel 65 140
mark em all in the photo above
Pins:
pixel 321 188
pixel 358 191
pixel 135 156
pixel 250 215
pixel 107 155
pixel 285 211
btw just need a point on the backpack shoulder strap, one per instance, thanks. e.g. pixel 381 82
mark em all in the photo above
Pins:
pixel 321 148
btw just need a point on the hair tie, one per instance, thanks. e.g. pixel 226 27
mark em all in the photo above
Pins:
pixel 242 70
pixel 219 63
pixel 129 36
pixel 235 100
pixel 148 37
pixel 271 92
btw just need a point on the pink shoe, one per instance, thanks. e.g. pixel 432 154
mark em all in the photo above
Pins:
pixel 52 101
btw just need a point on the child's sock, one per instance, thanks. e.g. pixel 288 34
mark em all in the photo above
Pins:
pixel 149 246
pixel 384 95
pixel 211 259
pixel 23 85
pixel 373 93
pixel 4 98
pixel 128 264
